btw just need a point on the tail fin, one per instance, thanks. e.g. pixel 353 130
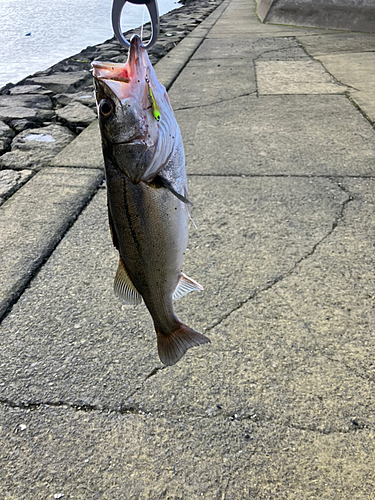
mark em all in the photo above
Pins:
pixel 172 346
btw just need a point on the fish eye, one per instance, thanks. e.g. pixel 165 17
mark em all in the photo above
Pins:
pixel 106 108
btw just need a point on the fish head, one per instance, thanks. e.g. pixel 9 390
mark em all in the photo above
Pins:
pixel 137 124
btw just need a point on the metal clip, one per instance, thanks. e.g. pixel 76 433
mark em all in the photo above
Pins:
pixel 152 6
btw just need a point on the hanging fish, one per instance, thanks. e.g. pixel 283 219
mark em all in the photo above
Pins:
pixel 147 194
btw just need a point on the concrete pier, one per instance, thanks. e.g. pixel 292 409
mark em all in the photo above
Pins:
pixel 278 128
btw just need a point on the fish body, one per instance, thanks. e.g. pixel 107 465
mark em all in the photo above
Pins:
pixel 147 194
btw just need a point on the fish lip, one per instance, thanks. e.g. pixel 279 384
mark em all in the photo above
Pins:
pixel 133 140
pixel 135 47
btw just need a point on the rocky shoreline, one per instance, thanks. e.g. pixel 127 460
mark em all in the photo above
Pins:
pixel 44 112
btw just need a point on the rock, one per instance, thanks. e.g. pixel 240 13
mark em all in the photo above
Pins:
pixel 5 131
pixel 10 181
pixel 76 115
pixel 8 113
pixel 19 125
pixel 29 89
pixel 36 148
pixel 107 55
pixel 39 101
pixel 85 98
pixel 62 81
pixel 4 145
pixel 6 134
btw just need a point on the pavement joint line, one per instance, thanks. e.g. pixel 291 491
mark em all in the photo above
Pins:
pixel 357 106
pixel 347 94
pixel 291 176
pixel 133 410
pixel 85 407
pixel 260 289
pixel 43 258
pixel 334 77
pixel 356 427
pixel 353 370
pixel 312 28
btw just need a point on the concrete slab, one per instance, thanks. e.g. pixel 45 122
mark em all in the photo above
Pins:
pixel 335 300
pixel 69 338
pixel 278 135
pixel 239 48
pixel 34 220
pixel 295 77
pixel 245 23
pixel 11 180
pixel 172 64
pixel 168 68
pixel 318 45
pixel 271 407
pixel 109 455
pixel 210 82
pixel 358 72
pixel 84 152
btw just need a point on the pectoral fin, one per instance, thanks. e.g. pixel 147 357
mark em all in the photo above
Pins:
pixel 184 286
pixel 163 182
pixel 124 288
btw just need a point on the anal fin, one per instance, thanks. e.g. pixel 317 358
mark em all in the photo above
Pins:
pixel 124 288
pixel 184 286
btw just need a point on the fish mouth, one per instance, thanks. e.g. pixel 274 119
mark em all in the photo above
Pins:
pixel 132 71
pixel 110 71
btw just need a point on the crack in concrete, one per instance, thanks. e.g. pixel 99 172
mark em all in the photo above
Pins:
pixel 277 279
pixel 215 102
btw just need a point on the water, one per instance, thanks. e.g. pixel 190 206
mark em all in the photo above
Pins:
pixel 59 29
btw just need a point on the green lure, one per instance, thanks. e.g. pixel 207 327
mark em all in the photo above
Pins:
pixel 155 107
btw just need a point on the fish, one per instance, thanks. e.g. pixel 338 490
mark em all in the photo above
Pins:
pixel 148 205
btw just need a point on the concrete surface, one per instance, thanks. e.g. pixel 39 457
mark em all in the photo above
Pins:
pixel 278 135
pixel 34 220
pixel 84 152
pixel 354 15
pixel 281 403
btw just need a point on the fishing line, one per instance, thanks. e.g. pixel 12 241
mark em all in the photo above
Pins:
pixel 143 20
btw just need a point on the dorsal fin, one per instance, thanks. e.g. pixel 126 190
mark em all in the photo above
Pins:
pixel 124 288
pixel 184 286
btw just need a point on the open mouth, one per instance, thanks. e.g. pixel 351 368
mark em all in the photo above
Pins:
pixel 110 71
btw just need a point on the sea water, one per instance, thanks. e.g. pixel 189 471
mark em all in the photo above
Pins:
pixel 38 33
